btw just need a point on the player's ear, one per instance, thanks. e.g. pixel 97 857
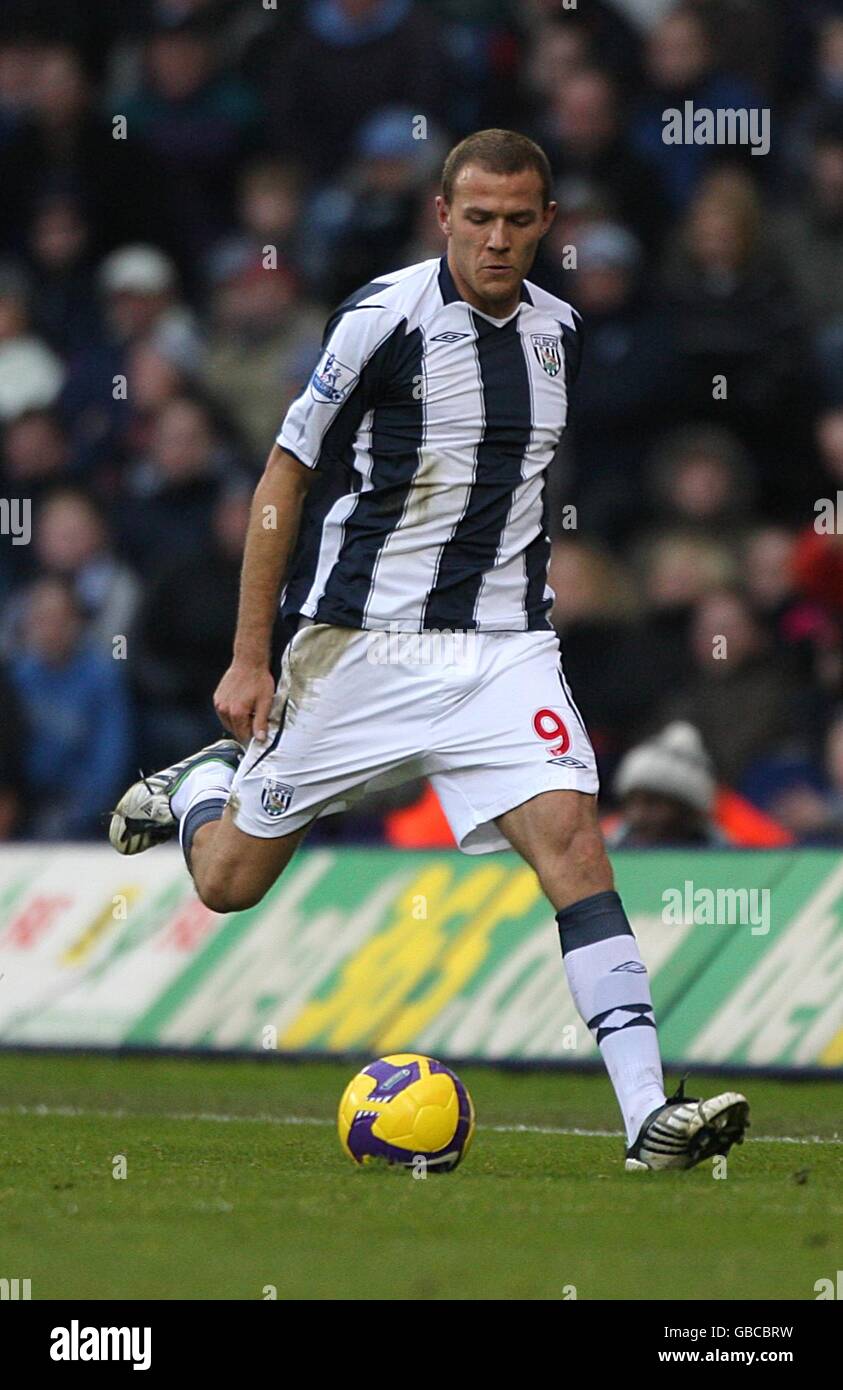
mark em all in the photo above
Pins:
pixel 443 212
pixel 548 216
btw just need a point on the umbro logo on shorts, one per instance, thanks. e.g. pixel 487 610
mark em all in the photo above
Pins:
pixel 566 762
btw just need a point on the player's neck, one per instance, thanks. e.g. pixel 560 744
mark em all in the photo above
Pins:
pixel 494 309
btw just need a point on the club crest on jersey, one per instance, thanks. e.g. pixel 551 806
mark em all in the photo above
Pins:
pixel 546 348
pixel 275 796
pixel 332 380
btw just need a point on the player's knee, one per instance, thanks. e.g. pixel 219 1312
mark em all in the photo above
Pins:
pixel 227 893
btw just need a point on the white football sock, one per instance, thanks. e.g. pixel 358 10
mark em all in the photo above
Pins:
pixel 610 987
pixel 609 984
pixel 207 805
pixel 213 775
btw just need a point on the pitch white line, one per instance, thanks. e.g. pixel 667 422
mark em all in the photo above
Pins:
pixel 213 1117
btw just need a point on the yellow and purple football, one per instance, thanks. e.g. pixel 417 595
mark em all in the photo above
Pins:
pixel 406 1108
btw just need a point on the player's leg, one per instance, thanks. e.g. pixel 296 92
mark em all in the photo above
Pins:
pixel 232 870
pixel 520 770
pixel 557 833
pixel 240 815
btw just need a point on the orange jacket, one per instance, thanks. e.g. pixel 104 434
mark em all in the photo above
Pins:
pixel 423 825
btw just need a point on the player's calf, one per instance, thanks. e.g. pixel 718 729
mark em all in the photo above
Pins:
pixel 233 871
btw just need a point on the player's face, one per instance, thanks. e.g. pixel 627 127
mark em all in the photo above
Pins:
pixel 494 224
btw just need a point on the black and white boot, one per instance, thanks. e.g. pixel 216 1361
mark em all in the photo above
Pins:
pixel 143 816
pixel 684 1131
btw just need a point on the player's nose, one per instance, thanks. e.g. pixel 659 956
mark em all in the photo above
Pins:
pixel 498 237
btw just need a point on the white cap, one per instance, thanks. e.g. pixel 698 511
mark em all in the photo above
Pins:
pixel 674 764
pixel 137 269
pixel 31 377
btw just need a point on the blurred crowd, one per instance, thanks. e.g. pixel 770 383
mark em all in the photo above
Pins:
pixel 188 188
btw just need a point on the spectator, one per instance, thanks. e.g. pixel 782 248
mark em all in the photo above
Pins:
pixel 173 491
pixel 181 640
pixel 677 570
pixel 800 626
pixel 140 289
pixel 818 557
pixel 139 286
pixel 65 146
pixel 809 232
pixel 197 121
pixel 813 807
pixel 666 790
pixel 359 225
pixel 737 323
pixel 584 138
pixel 17 71
pixel 627 387
pixel 64 306
pixel 348 58
pixel 77 747
pixel 740 695
pixel 30 373
pixel 680 66
pixel 35 454
pixel 701 481
pixel 824 96
pixel 71 540
pixel 595 612
pixel 270 218
pixel 159 368
pixel 263 345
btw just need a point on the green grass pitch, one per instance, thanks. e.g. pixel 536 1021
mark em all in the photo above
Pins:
pixel 236 1185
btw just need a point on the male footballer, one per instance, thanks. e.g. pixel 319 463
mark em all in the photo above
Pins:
pixel 405 494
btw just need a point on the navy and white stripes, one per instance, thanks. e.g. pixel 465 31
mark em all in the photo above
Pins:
pixel 433 426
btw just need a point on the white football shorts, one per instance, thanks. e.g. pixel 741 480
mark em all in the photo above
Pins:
pixel 487 717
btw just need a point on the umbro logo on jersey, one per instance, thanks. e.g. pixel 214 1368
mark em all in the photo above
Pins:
pixel 546 348
pixel 449 337
pixel 629 967
pixel 332 380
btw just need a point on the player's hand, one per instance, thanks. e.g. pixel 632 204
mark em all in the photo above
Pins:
pixel 243 700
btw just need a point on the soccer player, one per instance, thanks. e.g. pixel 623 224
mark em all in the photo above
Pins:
pixel 402 510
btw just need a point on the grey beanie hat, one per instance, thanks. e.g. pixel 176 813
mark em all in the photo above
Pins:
pixel 674 763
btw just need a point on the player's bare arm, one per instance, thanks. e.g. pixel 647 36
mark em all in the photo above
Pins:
pixel 243 698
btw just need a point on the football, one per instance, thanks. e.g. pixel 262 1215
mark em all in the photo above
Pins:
pixel 406 1108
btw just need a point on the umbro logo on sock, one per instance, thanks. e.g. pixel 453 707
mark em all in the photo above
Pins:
pixel 631 967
